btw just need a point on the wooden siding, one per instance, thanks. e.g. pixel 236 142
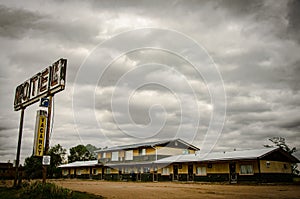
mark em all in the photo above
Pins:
pixel 275 167
pixel 219 167
pixel 150 151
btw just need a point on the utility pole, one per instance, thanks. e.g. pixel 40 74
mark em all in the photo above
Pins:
pixel 19 148
pixel 47 137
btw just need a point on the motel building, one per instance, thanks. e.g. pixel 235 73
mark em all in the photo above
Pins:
pixel 177 160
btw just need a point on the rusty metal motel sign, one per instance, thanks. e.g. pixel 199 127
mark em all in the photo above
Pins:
pixel 46 83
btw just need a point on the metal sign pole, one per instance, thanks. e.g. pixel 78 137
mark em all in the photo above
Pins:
pixel 19 147
pixel 47 137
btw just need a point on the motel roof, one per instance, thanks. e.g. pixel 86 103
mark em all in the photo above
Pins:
pixel 251 154
pixel 264 153
pixel 149 144
pixel 80 164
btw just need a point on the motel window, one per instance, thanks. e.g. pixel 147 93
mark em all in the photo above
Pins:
pixel 166 171
pixel 142 151
pixel 126 170
pixel 95 171
pixel 115 156
pixel 246 169
pixel 65 172
pixel 129 155
pixel 79 172
pixel 201 171
pixel 108 170
pixel 104 155
pixel 146 170
pixel 185 151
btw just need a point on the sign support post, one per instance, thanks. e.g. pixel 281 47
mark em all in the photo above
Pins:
pixel 19 148
pixel 47 137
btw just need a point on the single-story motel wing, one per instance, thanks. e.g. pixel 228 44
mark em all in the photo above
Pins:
pixel 177 160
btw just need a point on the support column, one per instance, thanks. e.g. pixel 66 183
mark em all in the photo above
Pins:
pixel 19 148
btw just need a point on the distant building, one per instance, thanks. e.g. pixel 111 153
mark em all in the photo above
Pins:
pixel 80 169
pixel 177 160
pixel 7 171
pixel 128 162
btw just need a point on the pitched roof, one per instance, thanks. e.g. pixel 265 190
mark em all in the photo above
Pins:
pixel 214 156
pixel 145 144
pixel 80 164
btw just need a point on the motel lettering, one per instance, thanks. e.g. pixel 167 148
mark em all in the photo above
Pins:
pixel 49 81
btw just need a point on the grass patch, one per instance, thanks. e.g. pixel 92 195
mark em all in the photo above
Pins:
pixel 37 190
pixel 83 195
pixel 9 193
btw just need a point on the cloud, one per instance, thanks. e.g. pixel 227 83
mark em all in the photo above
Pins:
pixel 15 23
pixel 293 18
pixel 254 44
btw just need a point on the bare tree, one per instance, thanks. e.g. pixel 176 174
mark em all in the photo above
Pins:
pixel 280 142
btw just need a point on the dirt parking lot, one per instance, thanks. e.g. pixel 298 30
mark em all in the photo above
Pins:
pixel 180 190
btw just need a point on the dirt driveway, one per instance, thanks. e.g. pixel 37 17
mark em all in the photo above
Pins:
pixel 179 190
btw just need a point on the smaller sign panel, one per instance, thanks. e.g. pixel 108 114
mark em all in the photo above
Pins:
pixel 46 159
pixel 44 102
pixel 40 128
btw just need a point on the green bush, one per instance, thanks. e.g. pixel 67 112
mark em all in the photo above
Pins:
pixel 38 190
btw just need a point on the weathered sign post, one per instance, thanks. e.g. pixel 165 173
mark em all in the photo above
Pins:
pixel 44 84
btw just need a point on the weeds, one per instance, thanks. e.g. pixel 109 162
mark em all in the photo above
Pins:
pixel 38 190
pixel 44 191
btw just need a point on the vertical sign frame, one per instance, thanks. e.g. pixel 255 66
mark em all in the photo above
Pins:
pixel 39 135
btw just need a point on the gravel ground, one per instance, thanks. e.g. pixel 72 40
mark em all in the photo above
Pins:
pixel 179 189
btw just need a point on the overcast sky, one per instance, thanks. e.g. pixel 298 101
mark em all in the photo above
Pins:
pixel 218 74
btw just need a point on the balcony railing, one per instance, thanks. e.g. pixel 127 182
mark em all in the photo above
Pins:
pixel 140 158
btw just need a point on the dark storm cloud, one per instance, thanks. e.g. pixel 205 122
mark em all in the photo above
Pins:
pixel 248 107
pixel 3 128
pixel 15 23
pixel 18 23
pixel 292 75
pixel 67 31
pixel 241 8
pixel 293 17
pixel 292 123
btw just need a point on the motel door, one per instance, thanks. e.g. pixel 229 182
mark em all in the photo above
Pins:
pixel 155 177
pixel 190 172
pixel 175 172
pixel 102 173
pixel 232 173
pixel 139 175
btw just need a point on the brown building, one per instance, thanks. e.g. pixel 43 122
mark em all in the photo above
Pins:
pixel 177 160
pixel 7 171
pixel 261 165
